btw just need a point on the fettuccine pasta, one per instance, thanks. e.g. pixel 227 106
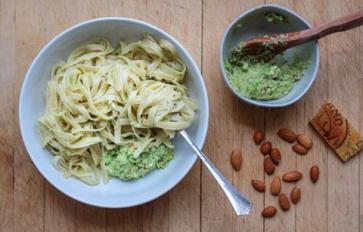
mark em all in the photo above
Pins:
pixel 102 98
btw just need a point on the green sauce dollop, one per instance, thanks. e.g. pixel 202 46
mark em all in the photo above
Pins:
pixel 122 164
pixel 273 17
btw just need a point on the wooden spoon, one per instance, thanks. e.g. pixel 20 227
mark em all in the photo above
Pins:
pixel 269 46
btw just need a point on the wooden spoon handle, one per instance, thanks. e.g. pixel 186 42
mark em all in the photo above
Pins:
pixel 340 24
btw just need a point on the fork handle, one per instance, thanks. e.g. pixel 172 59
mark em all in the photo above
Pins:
pixel 240 203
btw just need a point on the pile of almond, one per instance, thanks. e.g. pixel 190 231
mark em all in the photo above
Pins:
pixel 302 146
pixel 304 142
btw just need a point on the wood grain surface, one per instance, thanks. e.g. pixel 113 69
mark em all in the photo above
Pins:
pixel 29 203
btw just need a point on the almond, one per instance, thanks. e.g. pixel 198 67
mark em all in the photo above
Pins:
pixel 275 187
pixel 299 149
pixel 305 141
pixel 314 173
pixel 284 202
pixel 258 136
pixel 292 176
pixel 269 211
pixel 259 185
pixel 295 195
pixel 287 135
pixel 265 148
pixel 275 155
pixel 268 166
pixel 236 160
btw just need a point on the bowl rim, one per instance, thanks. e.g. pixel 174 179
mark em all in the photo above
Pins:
pixel 257 102
pixel 204 123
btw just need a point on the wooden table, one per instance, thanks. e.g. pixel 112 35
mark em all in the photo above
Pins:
pixel 29 203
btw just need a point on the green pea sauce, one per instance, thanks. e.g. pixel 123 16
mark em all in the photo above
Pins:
pixel 273 17
pixel 263 76
pixel 122 164
pixel 265 80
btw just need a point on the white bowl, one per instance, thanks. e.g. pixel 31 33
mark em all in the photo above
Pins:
pixel 115 194
pixel 252 24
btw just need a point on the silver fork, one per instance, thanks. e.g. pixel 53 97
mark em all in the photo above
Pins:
pixel 240 203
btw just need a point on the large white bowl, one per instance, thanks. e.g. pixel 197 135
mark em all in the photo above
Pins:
pixel 115 194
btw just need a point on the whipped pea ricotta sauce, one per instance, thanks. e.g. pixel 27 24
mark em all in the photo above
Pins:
pixel 265 80
pixel 273 17
pixel 122 164
pixel 263 76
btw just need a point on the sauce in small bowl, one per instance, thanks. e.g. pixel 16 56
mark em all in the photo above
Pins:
pixel 267 20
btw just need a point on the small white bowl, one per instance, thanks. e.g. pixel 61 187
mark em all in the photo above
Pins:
pixel 253 24
pixel 115 194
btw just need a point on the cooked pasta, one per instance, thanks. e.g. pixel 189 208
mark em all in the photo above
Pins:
pixel 104 97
